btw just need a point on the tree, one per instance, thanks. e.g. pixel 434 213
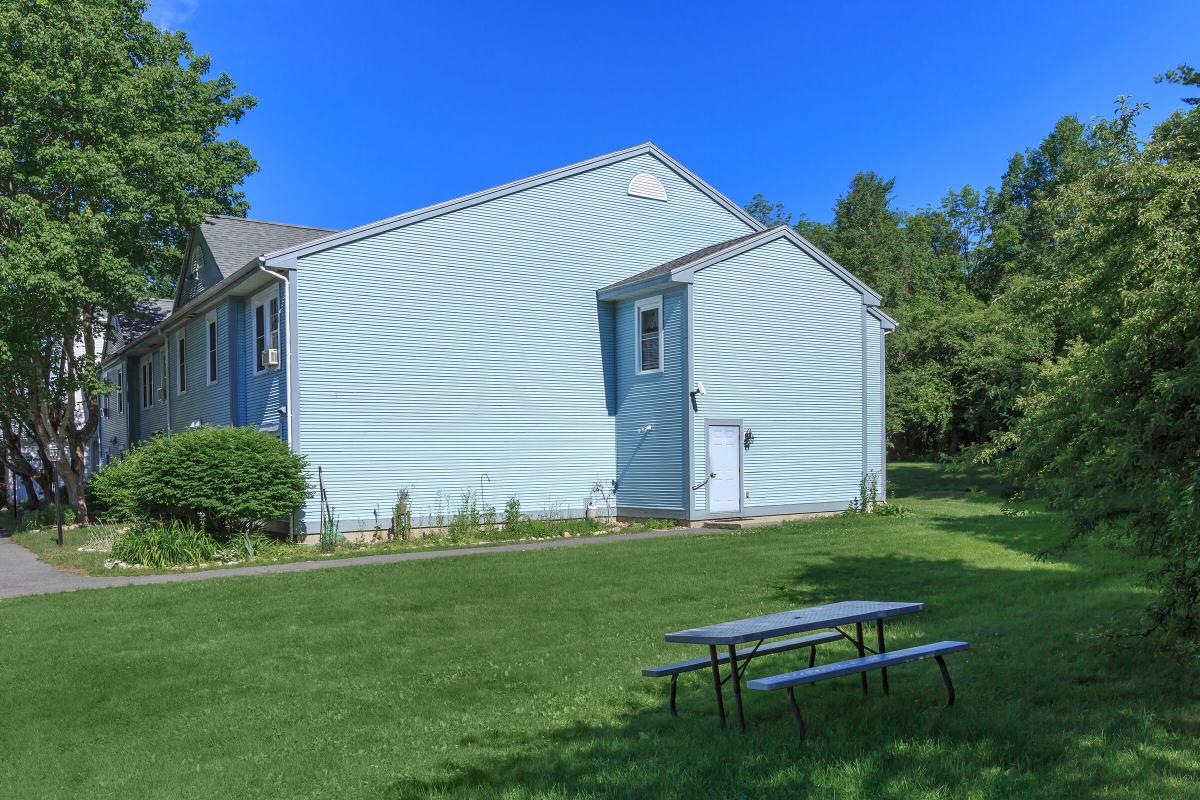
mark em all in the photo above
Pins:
pixel 1109 432
pixel 768 213
pixel 111 153
pixel 1182 75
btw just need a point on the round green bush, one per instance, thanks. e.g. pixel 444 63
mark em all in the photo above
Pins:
pixel 220 479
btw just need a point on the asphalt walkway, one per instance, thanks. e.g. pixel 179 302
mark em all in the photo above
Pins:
pixel 21 573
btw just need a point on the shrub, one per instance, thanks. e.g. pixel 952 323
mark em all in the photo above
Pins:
pixel 225 480
pixel 402 516
pixel 893 510
pixel 512 515
pixel 109 493
pixel 465 522
pixel 331 537
pixel 164 544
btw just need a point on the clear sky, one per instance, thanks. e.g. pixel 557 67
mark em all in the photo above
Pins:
pixel 369 109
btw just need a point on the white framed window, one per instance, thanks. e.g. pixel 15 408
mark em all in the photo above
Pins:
pixel 120 391
pixel 648 327
pixel 210 347
pixel 265 328
pixel 147 375
pixel 180 364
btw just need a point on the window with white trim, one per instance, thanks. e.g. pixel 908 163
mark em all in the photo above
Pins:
pixel 266 328
pixel 649 352
pixel 180 364
pixel 120 391
pixel 147 376
pixel 210 334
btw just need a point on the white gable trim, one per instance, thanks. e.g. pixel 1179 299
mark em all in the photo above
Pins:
pixel 685 273
pixel 288 256
pixel 885 322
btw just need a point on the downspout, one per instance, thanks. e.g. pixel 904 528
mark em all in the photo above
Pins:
pixel 288 372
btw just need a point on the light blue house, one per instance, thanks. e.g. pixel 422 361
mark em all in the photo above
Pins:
pixel 612 323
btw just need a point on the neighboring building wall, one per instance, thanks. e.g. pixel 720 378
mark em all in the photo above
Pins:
pixel 650 466
pixel 153 419
pixel 464 351
pixel 113 431
pixel 778 343
pixel 875 429
pixel 201 402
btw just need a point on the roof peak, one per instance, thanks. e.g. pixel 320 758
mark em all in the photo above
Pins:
pixel 388 223
pixel 269 222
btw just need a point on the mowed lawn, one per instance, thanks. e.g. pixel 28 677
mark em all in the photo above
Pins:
pixel 517 675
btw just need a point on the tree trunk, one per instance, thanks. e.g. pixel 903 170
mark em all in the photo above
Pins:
pixel 75 483
pixel 47 487
pixel 33 501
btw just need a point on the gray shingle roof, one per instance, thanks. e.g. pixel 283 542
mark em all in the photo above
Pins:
pixel 235 241
pixel 684 260
pixel 145 315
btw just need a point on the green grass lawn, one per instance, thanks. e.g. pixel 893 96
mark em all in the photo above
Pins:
pixel 517 675
pixel 43 542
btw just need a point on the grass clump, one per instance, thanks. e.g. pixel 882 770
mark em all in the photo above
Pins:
pixel 165 544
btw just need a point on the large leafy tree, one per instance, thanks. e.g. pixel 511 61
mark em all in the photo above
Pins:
pixel 1111 432
pixel 110 152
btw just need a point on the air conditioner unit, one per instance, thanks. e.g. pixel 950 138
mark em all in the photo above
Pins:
pixel 270 357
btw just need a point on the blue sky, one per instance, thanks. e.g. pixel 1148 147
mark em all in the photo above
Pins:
pixel 369 109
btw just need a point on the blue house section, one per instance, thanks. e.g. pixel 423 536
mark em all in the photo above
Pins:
pixel 650 421
pixel 612 326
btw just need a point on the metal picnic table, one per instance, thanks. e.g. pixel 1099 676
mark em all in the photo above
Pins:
pixel 785 623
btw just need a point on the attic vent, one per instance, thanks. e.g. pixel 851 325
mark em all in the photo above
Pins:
pixel 646 185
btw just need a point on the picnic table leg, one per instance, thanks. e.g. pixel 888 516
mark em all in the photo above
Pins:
pixel 862 652
pixel 716 673
pixel 882 650
pixel 737 687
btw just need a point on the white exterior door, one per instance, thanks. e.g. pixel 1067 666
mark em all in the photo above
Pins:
pixel 724 468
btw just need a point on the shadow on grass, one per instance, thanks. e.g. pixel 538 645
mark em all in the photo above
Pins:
pixel 1040 712
pixel 928 480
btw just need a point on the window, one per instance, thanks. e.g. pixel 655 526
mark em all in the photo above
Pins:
pixel 120 391
pixel 266 329
pixel 260 338
pixel 274 323
pixel 181 364
pixel 211 335
pixel 147 381
pixel 649 335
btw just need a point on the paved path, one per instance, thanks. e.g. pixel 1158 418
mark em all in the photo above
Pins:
pixel 21 573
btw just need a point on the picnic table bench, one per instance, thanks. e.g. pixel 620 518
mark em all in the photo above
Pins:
pixel 674 670
pixel 831 617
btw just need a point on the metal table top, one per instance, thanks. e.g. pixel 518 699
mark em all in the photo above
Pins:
pixel 769 626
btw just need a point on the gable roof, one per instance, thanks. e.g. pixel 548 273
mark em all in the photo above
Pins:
pixel 885 322
pixel 682 261
pixel 682 268
pixel 288 255
pixel 236 241
pixel 145 315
